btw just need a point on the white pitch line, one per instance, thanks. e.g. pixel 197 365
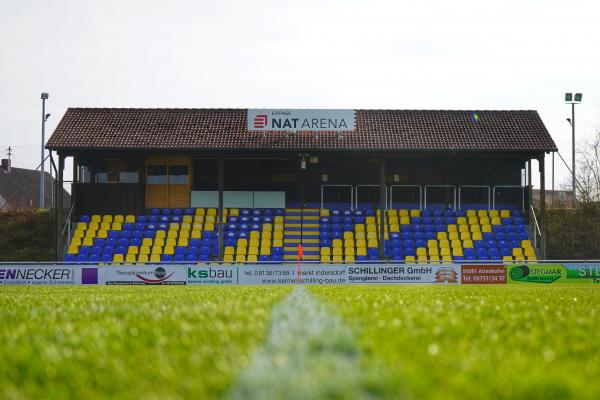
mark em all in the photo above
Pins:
pixel 308 354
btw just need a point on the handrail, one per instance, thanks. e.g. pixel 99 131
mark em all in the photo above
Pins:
pixel 68 223
pixel 536 227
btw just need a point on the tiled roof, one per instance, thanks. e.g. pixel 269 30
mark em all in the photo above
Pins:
pixel 225 129
pixel 20 188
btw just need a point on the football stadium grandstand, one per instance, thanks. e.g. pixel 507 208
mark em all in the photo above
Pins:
pixel 197 185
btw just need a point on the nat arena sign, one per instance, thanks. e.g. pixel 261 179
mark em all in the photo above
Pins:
pixel 300 120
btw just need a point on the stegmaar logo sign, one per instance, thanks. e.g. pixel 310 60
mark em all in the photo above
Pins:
pixel 300 120
pixel 145 275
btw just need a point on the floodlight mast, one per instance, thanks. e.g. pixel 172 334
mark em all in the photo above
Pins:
pixel 44 97
pixel 570 99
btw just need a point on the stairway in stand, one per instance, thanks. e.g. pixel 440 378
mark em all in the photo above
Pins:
pixel 301 226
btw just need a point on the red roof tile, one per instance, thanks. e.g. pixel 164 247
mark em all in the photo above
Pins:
pixel 225 129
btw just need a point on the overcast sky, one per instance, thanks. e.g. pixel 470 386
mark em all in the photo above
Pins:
pixel 509 54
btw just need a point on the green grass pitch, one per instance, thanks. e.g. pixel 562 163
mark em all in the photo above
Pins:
pixel 428 341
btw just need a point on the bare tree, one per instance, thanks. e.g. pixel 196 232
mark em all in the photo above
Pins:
pixel 588 173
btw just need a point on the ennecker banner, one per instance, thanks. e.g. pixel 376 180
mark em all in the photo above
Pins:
pixel 300 120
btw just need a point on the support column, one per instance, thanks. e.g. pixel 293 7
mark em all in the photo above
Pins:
pixel 58 208
pixel 220 179
pixel 542 206
pixel 382 208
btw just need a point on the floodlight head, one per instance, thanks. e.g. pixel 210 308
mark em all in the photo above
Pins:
pixel 569 121
pixel 568 97
pixel 48 116
pixel 578 97
pixel 44 96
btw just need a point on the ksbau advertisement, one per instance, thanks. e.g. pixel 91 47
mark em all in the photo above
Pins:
pixel 553 273
pixel 48 275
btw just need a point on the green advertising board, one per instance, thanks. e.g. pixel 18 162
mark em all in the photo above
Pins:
pixel 553 273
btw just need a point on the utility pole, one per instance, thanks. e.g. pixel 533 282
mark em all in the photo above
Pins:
pixel 44 97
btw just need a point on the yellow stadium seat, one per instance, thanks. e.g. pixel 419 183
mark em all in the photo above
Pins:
pixel 253 250
pixel 486 228
pixel 185 226
pixel 484 221
pixel 278 227
pixel 463 228
pixel 456 244
pixel 370 220
pixel 471 213
pixel 444 243
pixel 184 234
pixel 452 228
pixel 254 235
pixel 130 219
pixel 422 259
pixel 252 258
pixel 409 259
pixel 267 227
pixel 361 251
pixel 76 241
pixel 325 259
pixel 200 211
pixel 234 212
pixel 349 243
pixel 457 252
pixel 337 251
pixel 349 259
pixel 324 212
pixel 359 235
pixel 434 259
pixel 361 243
pixel 73 249
pixel 187 219
pixel 531 258
pixel 132 250
pixel 130 258
pixel 242 242
pixel 467 244
pixel 465 236
pixel 81 226
pixel 198 222
pixel 496 221
pixel 240 258
pixel 529 252
pixel 325 251
pixel 525 243
pixel 169 250
pixel 494 213
pixel 415 213
pixel 229 250
pixel 160 234
pixel 476 236
pixel 196 234
pixel 154 258
pixel 265 251
pixel 473 221
pixel 90 234
pixel 421 251
pixel 95 218
pixel 446 259
pixel 78 234
pixel 461 221
pixel 432 243
pixel 156 250
pixel 475 228
pixel 209 226
pixel 228 258
pixel 507 259
pixel 453 236
pixel 142 258
pixel 88 241
pixel 107 218
pixel 144 249
pixel 266 235
pixel 372 243
pixel 105 226
pixel 433 251
pixel 394 228
pixel 211 211
pixel 371 228
pixel 393 220
pixel 392 213
pixel 336 243
pixel 183 242
pixel 348 235
pixel 337 259
pixel 277 235
pixel 253 243
pixel 278 219
pixel 403 213
pixel 265 243
pixel 482 213
pixel 404 221
pixel 517 252
pixel 349 251
pixel 442 236
pixel 277 243
pixel 118 219
pixel 118 258
pixel 372 235
pixel 504 213
pixel 146 242
pixel 445 251
pixel 172 234
pixel 241 250
pixel 159 242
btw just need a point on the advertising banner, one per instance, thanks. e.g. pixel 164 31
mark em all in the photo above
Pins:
pixel 285 274
pixel 48 275
pixel 300 120
pixel 390 273
pixel 144 275
pixel 215 274
pixel 483 274
pixel 554 273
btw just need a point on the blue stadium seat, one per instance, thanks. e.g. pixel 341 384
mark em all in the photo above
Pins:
pixel 85 218
pixel 166 258
pixel 70 257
